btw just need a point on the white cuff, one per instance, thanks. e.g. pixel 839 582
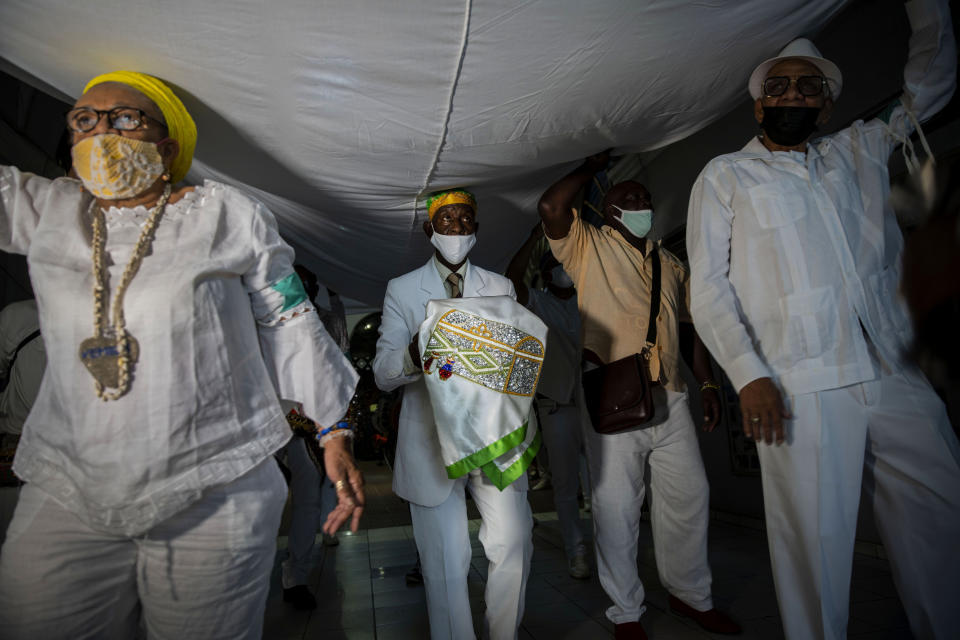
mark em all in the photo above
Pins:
pixel 409 366
pixel 745 369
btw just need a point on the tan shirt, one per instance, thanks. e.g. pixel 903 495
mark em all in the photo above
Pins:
pixel 614 281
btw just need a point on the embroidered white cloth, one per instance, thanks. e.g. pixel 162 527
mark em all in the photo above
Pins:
pixel 482 359
pixel 223 326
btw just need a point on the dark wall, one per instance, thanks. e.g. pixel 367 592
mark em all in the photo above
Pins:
pixel 32 138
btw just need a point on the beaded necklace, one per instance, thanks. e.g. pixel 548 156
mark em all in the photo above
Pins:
pixel 111 351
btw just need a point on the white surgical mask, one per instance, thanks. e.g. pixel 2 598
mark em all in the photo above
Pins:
pixel 114 167
pixel 454 249
pixel 560 278
pixel 637 222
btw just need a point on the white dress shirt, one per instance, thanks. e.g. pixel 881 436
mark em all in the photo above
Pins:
pixel 223 327
pixel 792 253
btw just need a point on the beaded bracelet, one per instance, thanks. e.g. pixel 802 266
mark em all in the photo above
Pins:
pixel 340 429
pixel 340 433
pixel 343 424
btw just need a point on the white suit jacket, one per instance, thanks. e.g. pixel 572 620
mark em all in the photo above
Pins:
pixel 419 475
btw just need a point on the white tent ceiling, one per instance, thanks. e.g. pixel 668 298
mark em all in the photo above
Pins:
pixel 338 114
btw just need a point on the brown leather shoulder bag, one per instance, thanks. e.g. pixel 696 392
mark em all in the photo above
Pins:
pixel 620 395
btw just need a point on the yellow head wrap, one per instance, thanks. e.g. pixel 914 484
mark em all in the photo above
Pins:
pixel 453 196
pixel 179 123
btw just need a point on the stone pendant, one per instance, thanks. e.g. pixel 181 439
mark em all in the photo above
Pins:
pixel 101 356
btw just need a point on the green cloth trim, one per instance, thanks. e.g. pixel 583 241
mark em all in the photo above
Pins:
pixel 463 466
pixel 291 288
pixel 887 113
pixel 503 479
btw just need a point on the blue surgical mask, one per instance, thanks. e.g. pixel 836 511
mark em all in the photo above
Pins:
pixel 637 223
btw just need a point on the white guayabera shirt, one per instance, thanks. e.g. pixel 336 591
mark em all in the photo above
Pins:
pixel 795 257
pixel 223 327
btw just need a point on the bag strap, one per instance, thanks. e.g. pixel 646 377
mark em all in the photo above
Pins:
pixel 654 296
pixel 30 338
pixel 5 376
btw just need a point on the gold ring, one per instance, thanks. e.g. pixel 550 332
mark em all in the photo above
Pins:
pixel 340 485
pixel 755 419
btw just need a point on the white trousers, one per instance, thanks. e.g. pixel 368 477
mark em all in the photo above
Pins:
pixel 679 510
pixel 563 438
pixel 506 533
pixel 891 437
pixel 312 498
pixel 203 573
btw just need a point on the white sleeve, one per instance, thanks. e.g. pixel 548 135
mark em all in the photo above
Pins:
pixel 929 77
pixel 713 302
pixel 304 362
pixel 391 365
pixel 22 196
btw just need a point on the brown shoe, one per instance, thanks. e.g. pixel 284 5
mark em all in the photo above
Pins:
pixel 629 631
pixel 711 620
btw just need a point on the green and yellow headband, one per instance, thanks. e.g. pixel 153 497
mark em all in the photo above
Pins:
pixel 453 196
pixel 180 125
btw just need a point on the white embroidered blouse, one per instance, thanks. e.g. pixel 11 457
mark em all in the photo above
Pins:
pixel 223 328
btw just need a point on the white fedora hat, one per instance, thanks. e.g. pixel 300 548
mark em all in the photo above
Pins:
pixel 799 49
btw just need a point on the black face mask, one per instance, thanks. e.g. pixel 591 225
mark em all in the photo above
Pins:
pixel 789 126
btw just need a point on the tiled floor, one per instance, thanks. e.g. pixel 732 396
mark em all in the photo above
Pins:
pixel 362 593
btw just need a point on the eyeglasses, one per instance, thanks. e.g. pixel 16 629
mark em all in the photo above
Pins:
pixel 806 85
pixel 83 119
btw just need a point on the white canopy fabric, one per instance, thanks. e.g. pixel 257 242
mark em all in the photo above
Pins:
pixel 339 114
